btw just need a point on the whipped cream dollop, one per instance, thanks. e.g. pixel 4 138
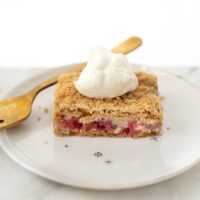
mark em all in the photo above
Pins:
pixel 106 75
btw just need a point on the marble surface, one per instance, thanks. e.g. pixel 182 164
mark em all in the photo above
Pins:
pixel 18 184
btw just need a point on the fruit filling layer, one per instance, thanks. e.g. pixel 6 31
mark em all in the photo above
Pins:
pixel 130 127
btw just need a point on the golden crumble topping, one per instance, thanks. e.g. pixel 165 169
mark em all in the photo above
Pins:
pixel 143 103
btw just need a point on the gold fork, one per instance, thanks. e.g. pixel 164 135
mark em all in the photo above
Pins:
pixel 14 111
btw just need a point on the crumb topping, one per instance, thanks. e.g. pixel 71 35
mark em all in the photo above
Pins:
pixel 143 103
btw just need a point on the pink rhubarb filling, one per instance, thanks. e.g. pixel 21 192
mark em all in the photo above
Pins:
pixel 130 128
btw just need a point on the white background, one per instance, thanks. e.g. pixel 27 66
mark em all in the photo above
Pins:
pixel 57 32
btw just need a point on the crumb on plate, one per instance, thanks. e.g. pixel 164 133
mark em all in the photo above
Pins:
pixel 46 110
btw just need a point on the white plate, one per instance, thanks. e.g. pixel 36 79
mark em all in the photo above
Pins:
pixel 124 162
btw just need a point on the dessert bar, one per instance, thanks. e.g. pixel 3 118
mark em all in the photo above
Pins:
pixel 135 114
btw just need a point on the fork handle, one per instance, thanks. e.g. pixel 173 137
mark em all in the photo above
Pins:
pixel 34 91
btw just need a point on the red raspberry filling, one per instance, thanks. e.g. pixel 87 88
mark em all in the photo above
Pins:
pixel 132 128
pixel 72 123
pixel 104 125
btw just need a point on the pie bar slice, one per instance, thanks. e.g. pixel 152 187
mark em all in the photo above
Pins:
pixel 134 114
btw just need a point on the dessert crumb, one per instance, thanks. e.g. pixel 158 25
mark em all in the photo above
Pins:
pixel 66 146
pixel 154 138
pixel 168 128
pixel 162 98
pixel 108 161
pixel 46 110
pixel 39 119
pixel 98 154
pixel 45 142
